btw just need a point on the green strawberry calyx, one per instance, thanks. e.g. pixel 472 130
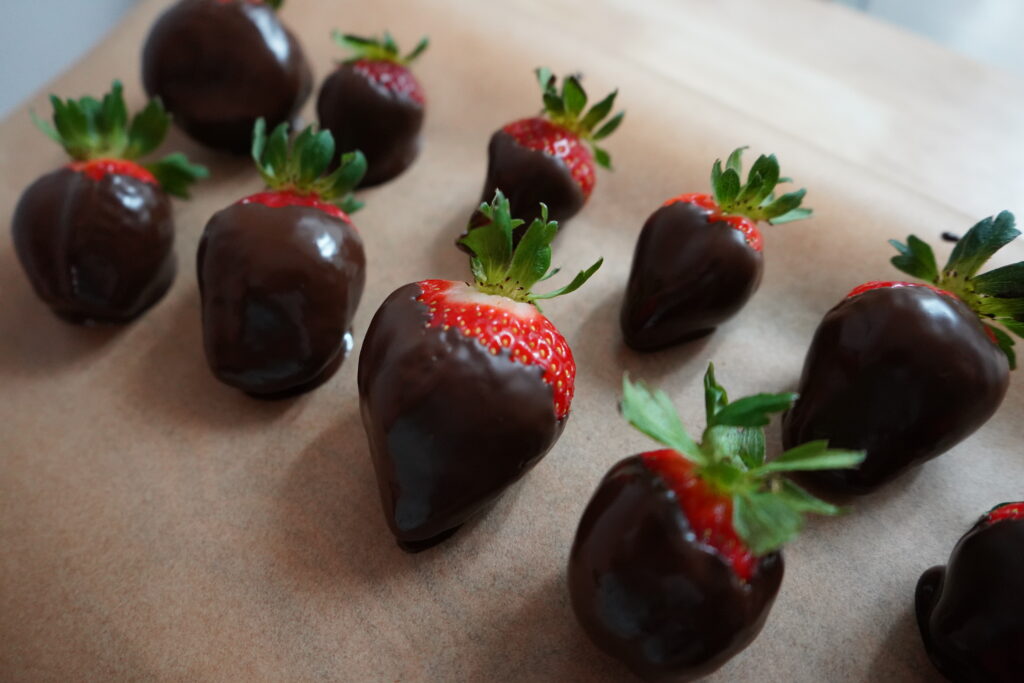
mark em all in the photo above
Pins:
pixel 566 107
pixel 301 166
pixel 88 129
pixel 374 49
pixel 500 268
pixel 997 296
pixel 756 198
pixel 767 509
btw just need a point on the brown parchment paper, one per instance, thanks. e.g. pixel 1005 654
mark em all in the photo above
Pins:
pixel 155 524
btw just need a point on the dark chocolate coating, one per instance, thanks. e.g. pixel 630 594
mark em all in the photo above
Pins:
pixel 690 274
pixel 279 288
pixel 904 373
pixel 362 115
pixel 650 595
pixel 971 612
pixel 528 177
pixel 450 425
pixel 219 66
pixel 95 250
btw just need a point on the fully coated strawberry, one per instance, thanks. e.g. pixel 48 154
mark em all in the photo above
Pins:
pixel 698 259
pixel 971 611
pixel 281 272
pixel 677 558
pixel 549 159
pixel 465 386
pixel 96 237
pixel 372 102
pixel 906 371
pixel 218 65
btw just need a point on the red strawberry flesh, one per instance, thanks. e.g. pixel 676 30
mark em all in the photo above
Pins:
pixel 543 135
pixel 393 77
pixel 98 168
pixel 278 198
pixel 741 223
pixel 708 511
pixel 501 324
pixel 890 284
pixel 1005 512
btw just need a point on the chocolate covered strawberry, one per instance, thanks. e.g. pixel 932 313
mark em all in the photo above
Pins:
pixel 218 65
pixel 677 558
pixel 971 611
pixel 906 371
pixel 465 386
pixel 698 259
pixel 281 272
pixel 372 102
pixel 96 237
pixel 549 159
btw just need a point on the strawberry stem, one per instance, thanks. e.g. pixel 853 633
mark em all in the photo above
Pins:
pixel 756 198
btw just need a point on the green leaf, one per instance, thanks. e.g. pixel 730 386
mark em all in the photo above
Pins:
pixel 420 48
pixel 609 127
pixel 491 243
pixel 574 97
pixel 813 455
pixel 602 158
pixel 147 130
pixel 715 396
pixel 735 161
pixel 800 500
pixel 259 141
pixel 767 168
pixel 1005 282
pixel 999 308
pixel 532 257
pixel 790 216
pixel 979 244
pixel 344 179
pixel 654 415
pixel 350 204
pixel 1005 342
pixel 553 104
pixel 784 204
pixel 1015 326
pixel 546 79
pixel 764 521
pixel 599 111
pixel 753 411
pixel 274 4
pixel 575 284
pixel 743 445
pixel 916 258
pixel 45 126
pixel 316 156
pixel 175 173
pixel 728 186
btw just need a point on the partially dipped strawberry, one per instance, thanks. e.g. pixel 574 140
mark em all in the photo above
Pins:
pixel 465 386
pixel 218 65
pixel 971 611
pixel 372 102
pixel 699 259
pixel 281 272
pixel 906 371
pixel 96 237
pixel 550 159
pixel 677 558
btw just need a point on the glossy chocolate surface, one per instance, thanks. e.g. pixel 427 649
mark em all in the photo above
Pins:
pixel 220 65
pixel 528 177
pixel 689 275
pixel 904 373
pixel 450 425
pixel 648 594
pixel 971 612
pixel 95 250
pixel 279 288
pixel 362 115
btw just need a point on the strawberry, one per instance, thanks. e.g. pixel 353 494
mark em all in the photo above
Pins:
pixel 465 386
pixel 698 259
pixel 96 237
pixel 971 611
pixel 281 272
pixel 677 558
pixel 374 103
pixel 906 371
pixel 219 65
pixel 549 159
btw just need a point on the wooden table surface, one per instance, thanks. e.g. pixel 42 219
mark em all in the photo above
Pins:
pixel 156 525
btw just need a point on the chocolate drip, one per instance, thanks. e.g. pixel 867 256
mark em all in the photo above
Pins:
pixel 689 275
pixel 450 425
pixel 649 594
pixel 904 373
pixel 279 289
pixel 363 115
pixel 220 65
pixel 95 250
